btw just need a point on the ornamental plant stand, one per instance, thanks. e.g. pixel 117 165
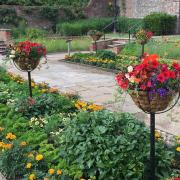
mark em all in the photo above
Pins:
pixel 26 57
pixel 157 105
pixel 26 65
pixel 152 86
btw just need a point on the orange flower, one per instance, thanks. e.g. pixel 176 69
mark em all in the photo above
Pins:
pixel 23 143
pixel 10 136
pixel 59 172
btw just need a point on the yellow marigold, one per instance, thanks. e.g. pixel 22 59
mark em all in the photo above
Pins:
pixel 80 104
pixel 178 149
pixel 53 90
pixel 95 107
pixel 23 143
pixel 1 129
pixel 33 84
pixel 8 146
pixel 32 177
pixel 59 172
pixel 178 139
pixel 28 165
pixel 51 171
pixel 39 157
pixel 44 90
pixel 2 144
pixel 157 135
pixel 46 178
pixel 10 136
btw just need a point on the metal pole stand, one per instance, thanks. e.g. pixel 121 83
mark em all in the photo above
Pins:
pixel 152 164
pixel 30 85
pixel 152 147
pixel 142 50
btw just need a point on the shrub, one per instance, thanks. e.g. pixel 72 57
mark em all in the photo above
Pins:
pixel 104 54
pixel 160 23
pixel 115 144
pixel 20 31
pixel 44 104
pixel 81 27
pixel 35 33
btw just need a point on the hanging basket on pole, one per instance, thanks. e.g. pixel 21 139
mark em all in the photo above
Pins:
pixel 153 85
pixel 26 57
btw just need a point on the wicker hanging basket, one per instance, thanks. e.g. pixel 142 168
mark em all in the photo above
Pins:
pixel 154 103
pixel 26 64
pixel 96 37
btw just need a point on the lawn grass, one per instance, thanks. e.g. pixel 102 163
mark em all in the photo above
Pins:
pixel 60 45
pixel 165 48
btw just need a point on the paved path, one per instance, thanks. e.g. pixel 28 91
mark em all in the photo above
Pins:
pixel 97 86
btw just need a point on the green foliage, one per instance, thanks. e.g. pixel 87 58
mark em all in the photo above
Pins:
pixel 115 144
pixel 34 33
pixel 103 54
pixel 9 16
pixel 19 31
pixel 49 12
pixel 105 59
pixel 160 23
pixel 81 27
pixel 44 104
pixel 13 161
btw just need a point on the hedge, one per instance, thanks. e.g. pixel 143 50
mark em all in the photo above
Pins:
pixel 160 23
pixel 81 27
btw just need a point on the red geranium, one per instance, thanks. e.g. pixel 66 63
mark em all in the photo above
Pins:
pixel 150 75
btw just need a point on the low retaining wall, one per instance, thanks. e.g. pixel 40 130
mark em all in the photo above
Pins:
pixel 101 44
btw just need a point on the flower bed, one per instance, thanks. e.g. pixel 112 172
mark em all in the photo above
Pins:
pixel 109 62
pixel 57 136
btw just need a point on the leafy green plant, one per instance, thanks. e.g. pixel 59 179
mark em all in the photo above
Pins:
pixel 160 23
pixel 114 144
pixel 13 160
pixel 44 104
pixel 104 54
pixel 9 16
pixel 34 33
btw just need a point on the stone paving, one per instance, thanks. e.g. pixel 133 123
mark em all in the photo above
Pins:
pixel 98 86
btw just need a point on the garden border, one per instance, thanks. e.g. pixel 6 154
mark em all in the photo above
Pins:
pixel 88 65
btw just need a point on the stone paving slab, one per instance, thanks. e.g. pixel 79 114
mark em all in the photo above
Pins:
pixel 98 86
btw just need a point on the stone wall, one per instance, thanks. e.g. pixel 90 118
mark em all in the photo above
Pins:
pixel 98 8
pixel 141 8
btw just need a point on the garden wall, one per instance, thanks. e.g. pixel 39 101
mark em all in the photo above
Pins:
pixel 98 9
pixel 141 8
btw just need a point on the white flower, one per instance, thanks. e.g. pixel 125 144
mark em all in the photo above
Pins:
pixel 12 56
pixel 13 52
pixel 130 69
pixel 127 76
pixel 37 123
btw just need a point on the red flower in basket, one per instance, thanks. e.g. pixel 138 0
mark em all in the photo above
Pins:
pixel 27 55
pixel 152 79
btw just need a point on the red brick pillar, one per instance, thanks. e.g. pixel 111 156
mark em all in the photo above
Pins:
pixel 5 35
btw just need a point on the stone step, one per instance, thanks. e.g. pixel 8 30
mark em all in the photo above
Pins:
pixel 119 42
pixel 115 45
